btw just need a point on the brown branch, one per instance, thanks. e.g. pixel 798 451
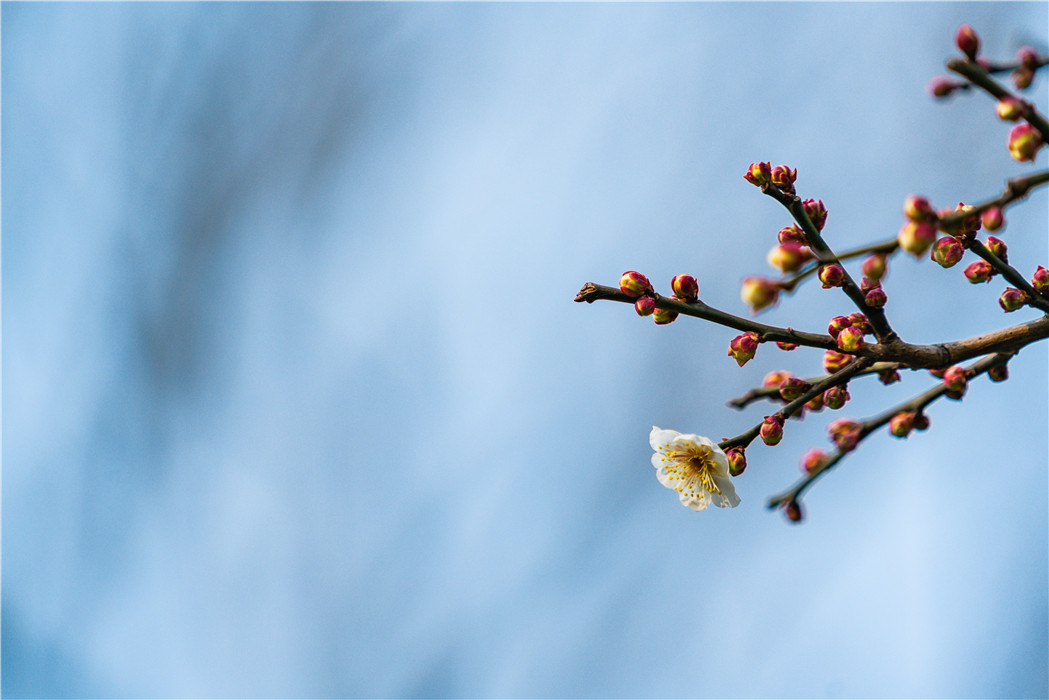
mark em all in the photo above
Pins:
pixel 772 392
pixel 977 75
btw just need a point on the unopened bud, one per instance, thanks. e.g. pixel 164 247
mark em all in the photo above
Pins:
pixel 791 234
pixel 788 257
pixel 685 288
pixel 832 275
pixel 837 325
pixel 737 460
pixel 793 511
pixel 813 461
pixel 867 284
pixel 850 339
pixel 947 251
pixel 664 316
pixel 969 224
pixel 860 321
pixel 844 433
pixel 816 212
pixel 786 346
pixel 771 430
pixel 998 373
pixel 759 174
pixel 783 177
pixel 979 271
pixel 998 248
pixel 814 404
pixel 922 422
pixel 1022 77
pixel 941 86
pixel 992 219
pixel 875 266
pixel 1028 57
pixel 792 388
pixel 645 306
pixel 915 237
pixel 743 347
pixel 967 41
pixel 759 293
pixel 1009 109
pixel 836 397
pixel 1040 280
pixel 634 284
pixel 917 208
pixel 955 379
pixel 834 361
pixel 876 298
pixel 902 424
pixel 888 376
pixel 1024 142
pixel 775 378
pixel 1012 299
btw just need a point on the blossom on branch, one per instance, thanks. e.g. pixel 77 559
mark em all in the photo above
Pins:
pixel 693 466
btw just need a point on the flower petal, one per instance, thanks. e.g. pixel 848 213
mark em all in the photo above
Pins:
pixel 659 437
pixel 727 498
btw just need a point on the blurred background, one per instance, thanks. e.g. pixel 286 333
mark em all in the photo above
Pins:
pixel 296 401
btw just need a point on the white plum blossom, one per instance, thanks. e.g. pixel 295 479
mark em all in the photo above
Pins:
pixel 695 467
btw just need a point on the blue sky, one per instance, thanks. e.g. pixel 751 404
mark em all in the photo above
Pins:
pixel 297 404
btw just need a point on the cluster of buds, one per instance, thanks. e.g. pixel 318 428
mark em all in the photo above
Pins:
pixel 636 285
pixel 848 331
pixel 919 232
pixel 1029 62
pixel 782 177
pixel 873 294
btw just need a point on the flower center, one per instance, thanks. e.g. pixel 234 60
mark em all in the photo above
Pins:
pixel 695 464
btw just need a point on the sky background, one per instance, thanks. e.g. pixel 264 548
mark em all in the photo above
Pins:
pixel 296 401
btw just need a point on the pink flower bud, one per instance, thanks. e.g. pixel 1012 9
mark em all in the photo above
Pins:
pixel 837 325
pixel 998 373
pixel 902 424
pixel 816 212
pixel 775 378
pixel 888 376
pixel 634 284
pixel 916 236
pixel 955 379
pixel 685 288
pixel 969 224
pixel 791 234
pixel 867 284
pixel 743 347
pixel 941 86
pixel 783 177
pixel 664 316
pixel 860 321
pixel 1012 299
pixel 1028 57
pixel 1040 280
pixel 786 346
pixel 759 293
pixel 998 248
pixel 844 433
pixel 814 404
pixel 836 397
pixel 793 511
pixel 759 174
pixel 917 208
pixel 834 361
pixel 645 306
pixel 771 430
pixel 967 41
pixel 850 339
pixel 813 461
pixel 947 251
pixel 876 298
pixel 1009 109
pixel 832 275
pixel 1024 142
pixel 1022 77
pixel 992 219
pixel 792 388
pixel 875 266
pixel 979 271
pixel 788 257
pixel 737 460
pixel 922 422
